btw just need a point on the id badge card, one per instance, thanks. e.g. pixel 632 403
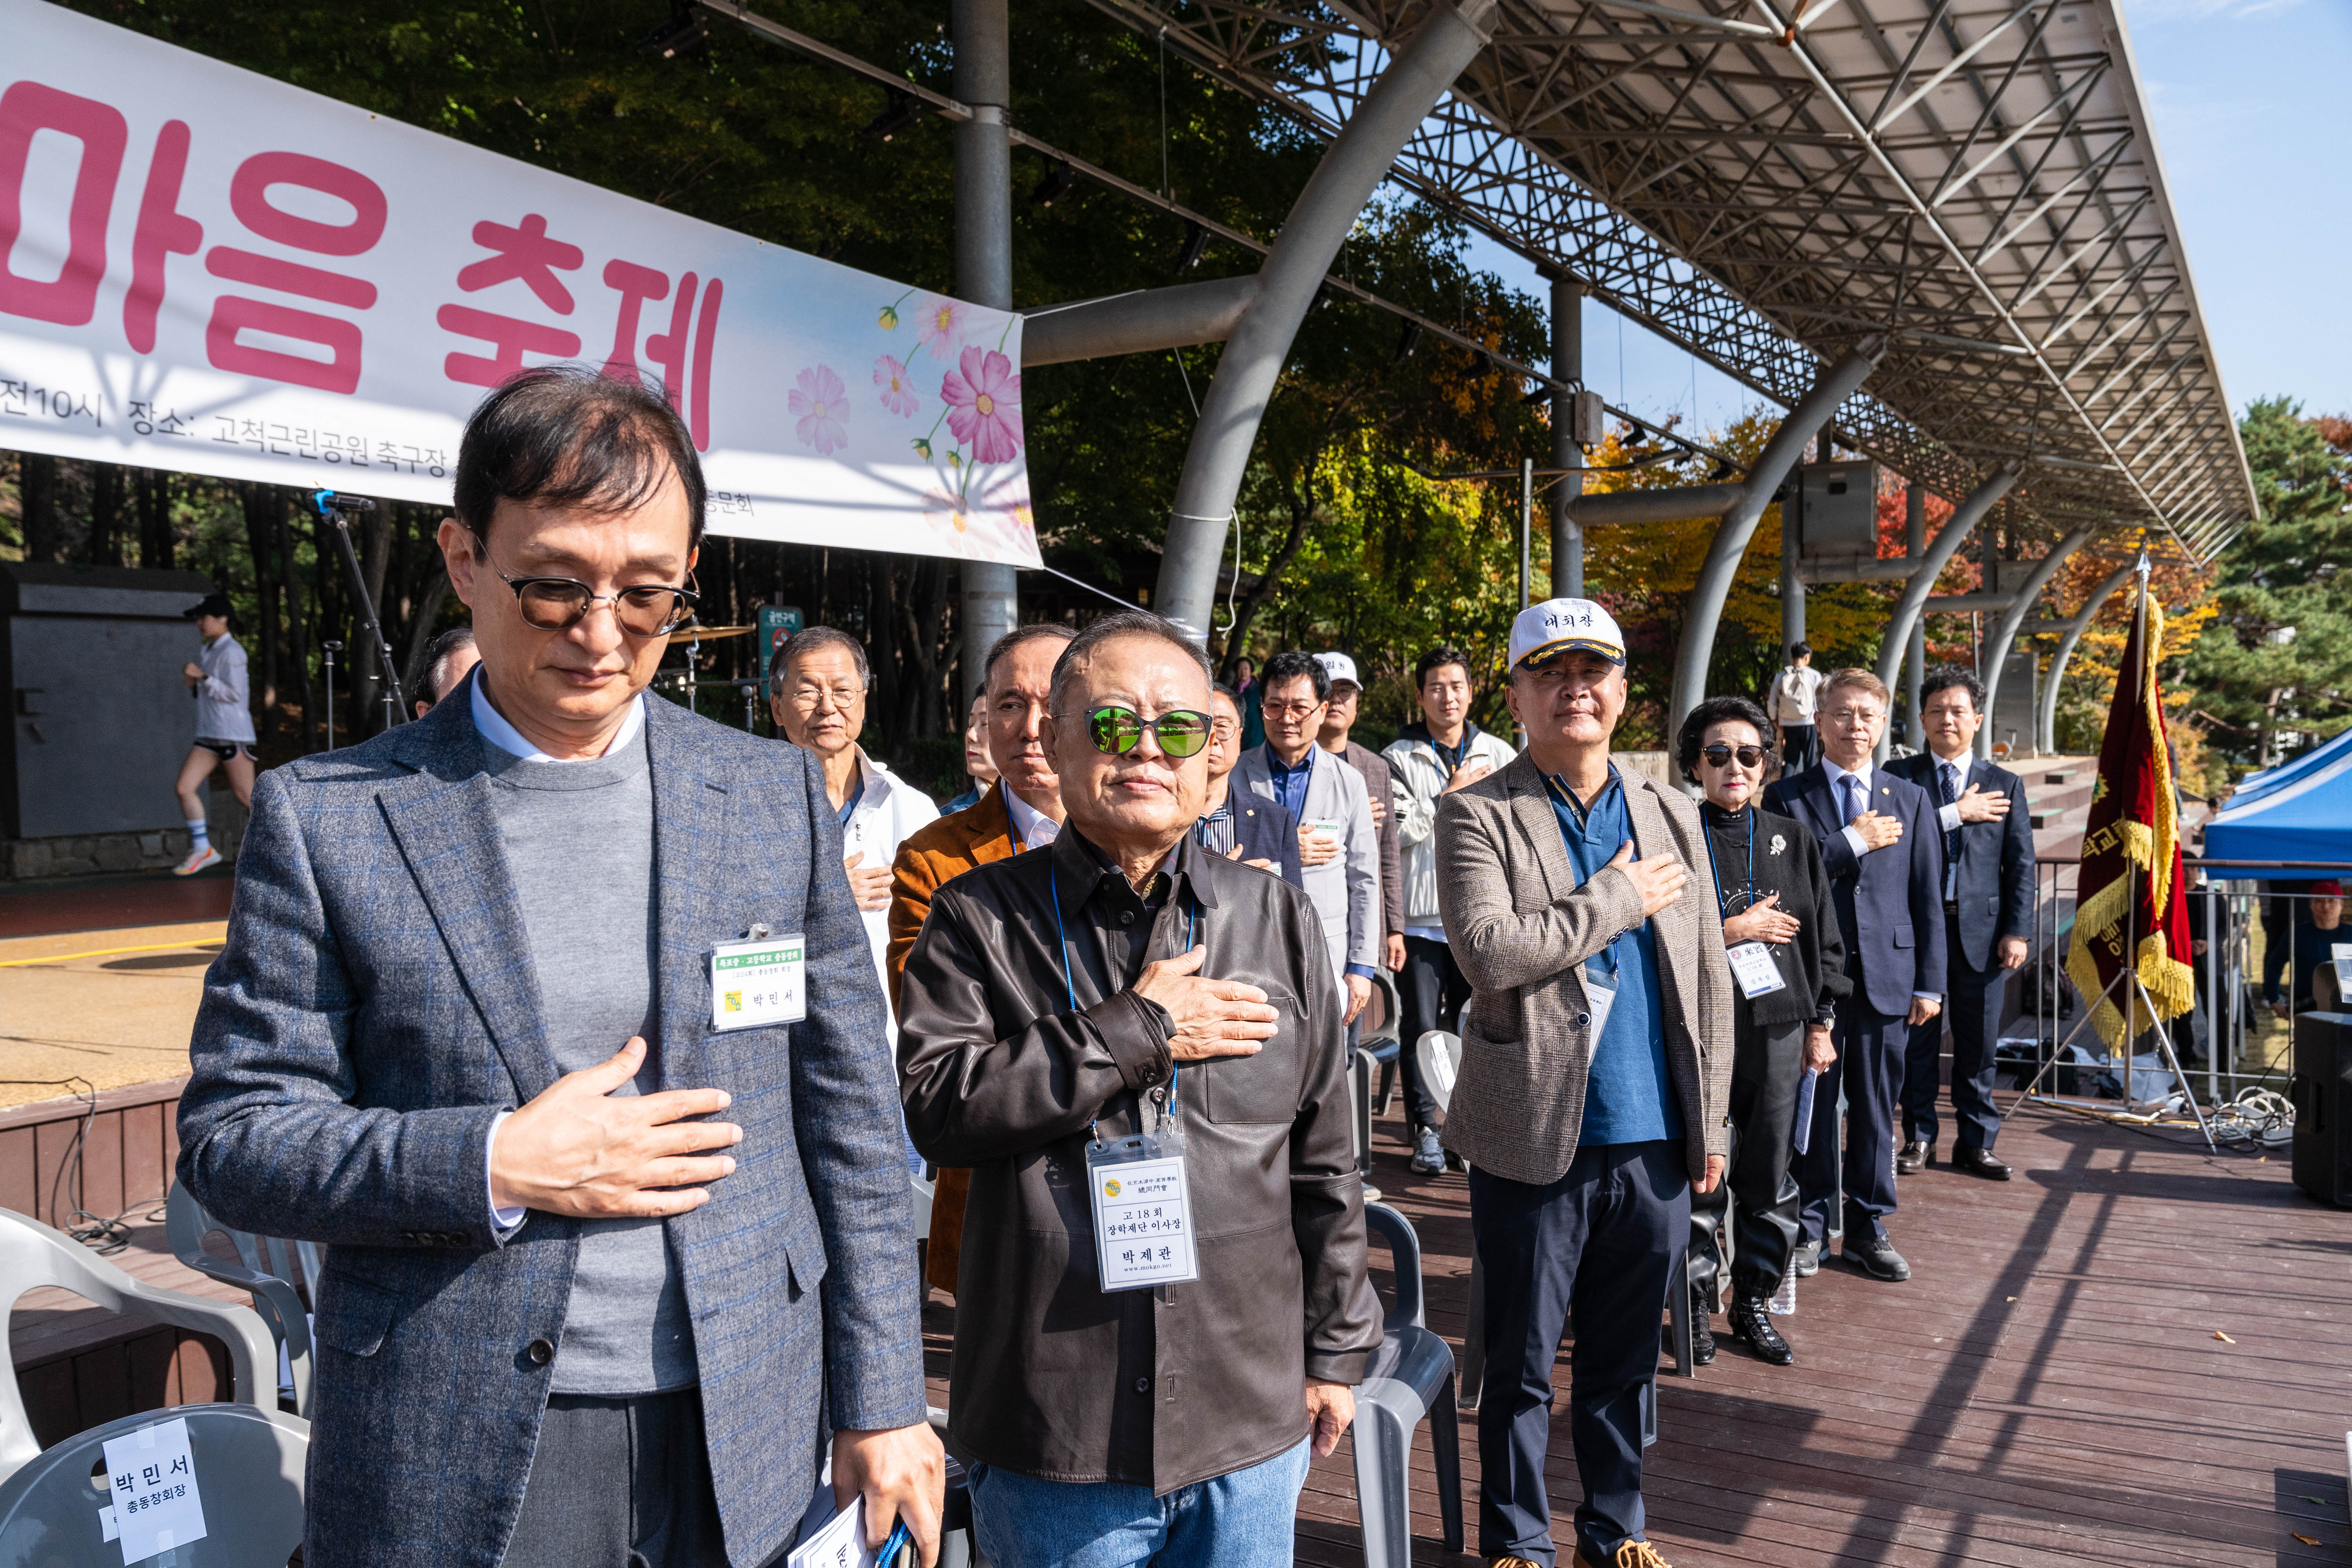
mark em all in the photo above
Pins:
pixel 1600 996
pixel 1142 1211
pixel 1752 966
pixel 757 982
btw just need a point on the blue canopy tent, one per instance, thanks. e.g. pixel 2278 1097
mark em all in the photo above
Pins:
pixel 2305 818
pixel 2257 786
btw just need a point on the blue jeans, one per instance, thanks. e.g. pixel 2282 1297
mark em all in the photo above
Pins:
pixel 1244 1520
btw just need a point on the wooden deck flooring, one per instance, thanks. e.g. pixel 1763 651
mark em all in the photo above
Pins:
pixel 2048 1385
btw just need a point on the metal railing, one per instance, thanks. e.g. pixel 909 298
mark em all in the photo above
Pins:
pixel 2236 899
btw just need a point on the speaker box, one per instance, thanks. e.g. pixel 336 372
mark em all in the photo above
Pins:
pixel 2322 1093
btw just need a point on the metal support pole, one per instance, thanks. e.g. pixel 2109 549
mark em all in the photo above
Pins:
pixel 1420 72
pixel 1527 527
pixel 1792 585
pixel 1567 366
pixel 1932 562
pixel 1835 383
pixel 984 268
pixel 2074 630
pixel 2029 594
pixel 1914 657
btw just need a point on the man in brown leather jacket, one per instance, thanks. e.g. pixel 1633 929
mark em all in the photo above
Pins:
pixel 1118 982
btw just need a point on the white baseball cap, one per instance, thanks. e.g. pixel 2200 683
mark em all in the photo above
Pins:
pixel 1557 624
pixel 1339 667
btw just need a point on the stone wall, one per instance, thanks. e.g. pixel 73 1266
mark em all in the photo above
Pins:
pixel 96 854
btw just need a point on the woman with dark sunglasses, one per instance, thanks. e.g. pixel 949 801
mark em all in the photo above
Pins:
pixel 1780 932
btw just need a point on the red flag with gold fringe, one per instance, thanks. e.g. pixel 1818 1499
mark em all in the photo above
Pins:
pixel 2131 892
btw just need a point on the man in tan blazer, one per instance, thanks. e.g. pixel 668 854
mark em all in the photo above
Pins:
pixel 1595 1085
pixel 1022 810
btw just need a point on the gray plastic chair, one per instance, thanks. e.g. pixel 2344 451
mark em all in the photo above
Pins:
pixel 1410 1377
pixel 32 1255
pixel 269 1269
pixel 1377 1048
pixel 248 1467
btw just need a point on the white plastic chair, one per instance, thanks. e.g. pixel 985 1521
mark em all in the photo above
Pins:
pixel 267 1269
pixel 1409 1379
pixel 32 1255
pixel 249 1472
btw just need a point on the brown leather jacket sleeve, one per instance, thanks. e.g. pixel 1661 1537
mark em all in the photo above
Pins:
pixel 972 1095
pixel 1327 1210
pixel 914 878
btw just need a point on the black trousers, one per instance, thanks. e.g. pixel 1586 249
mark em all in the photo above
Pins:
pixel 1869 1068
pixel 1589 1253
pixel 1973 1000
pixel 1434 991
pixel 1800 747
pixel 619 1483
pixel 1767 1067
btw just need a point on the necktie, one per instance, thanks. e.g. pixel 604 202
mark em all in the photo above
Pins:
pixel 1950 773
pixel 1853 787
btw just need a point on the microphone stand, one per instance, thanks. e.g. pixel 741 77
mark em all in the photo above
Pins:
pixel 335 508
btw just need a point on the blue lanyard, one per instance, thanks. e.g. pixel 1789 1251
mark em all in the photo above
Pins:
pixel 1721 902
pixel 1069 988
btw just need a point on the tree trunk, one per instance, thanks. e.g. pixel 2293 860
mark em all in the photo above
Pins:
pixel 105 514
pixel 36 497
pixel 412 673
pixel 261 538
pixel 297 622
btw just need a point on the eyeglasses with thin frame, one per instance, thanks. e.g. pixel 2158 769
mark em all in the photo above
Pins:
pixel 1719 755
pixel 558 603
pixel 1289 710
pixel 1116 731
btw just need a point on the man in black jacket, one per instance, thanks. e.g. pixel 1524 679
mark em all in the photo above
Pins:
pixel 1885 862
pixel 1988 916
pixel 1137 1382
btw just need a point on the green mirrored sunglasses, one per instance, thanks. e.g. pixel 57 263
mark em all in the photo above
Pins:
pixel 1119 730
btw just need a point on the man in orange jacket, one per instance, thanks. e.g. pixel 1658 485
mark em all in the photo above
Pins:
pixel 1022 811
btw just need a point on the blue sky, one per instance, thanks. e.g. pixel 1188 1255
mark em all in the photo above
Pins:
pixel 2248 99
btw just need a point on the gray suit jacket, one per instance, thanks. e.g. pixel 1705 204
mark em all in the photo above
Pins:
pixel 372 1012
pixel 1345 890
pixel 1521 928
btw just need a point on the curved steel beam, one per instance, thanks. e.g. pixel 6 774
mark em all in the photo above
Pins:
pixel 1997 647
pixel 1146 321
pixel 1835 383
pixel 1954 532
pixel 1418 75
pixel 2047 740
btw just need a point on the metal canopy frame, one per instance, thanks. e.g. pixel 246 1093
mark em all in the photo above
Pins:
pixel 1768 184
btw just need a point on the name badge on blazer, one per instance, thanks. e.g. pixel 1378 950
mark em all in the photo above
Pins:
pixel 757 982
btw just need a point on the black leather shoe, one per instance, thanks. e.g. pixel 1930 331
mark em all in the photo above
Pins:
pixel 1980 1162
pixel 1806 1260
pixel 1878 1259
pixel 1751 1320
pixel 1914 1157
pixel 1701 1333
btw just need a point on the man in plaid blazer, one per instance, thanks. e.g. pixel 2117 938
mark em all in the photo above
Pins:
pixel 603 1272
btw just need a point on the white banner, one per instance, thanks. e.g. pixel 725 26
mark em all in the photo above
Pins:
pixel 206 270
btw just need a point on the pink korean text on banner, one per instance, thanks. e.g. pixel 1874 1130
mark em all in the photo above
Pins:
pixel 206 270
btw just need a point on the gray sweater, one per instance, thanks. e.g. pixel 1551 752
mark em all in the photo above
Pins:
pixel 579 840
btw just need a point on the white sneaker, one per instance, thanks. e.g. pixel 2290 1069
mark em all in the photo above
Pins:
pixel 196 862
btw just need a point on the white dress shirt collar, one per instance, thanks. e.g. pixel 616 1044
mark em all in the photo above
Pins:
pixel 508 739
pixel 1836 773
pixel 1032 828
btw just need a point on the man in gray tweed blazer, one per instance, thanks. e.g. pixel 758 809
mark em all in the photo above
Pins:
pixel 465 1032
pixel 1595 1087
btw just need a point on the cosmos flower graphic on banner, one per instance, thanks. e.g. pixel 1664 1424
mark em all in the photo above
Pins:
pixel 981 492
pixel 821 403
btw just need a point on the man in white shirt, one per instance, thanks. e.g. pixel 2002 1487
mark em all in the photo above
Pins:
pixel 1796 692
pixel 1988 916
pixel 817 693
pixel 1884 856
pixel 224 727
pixel 1430 760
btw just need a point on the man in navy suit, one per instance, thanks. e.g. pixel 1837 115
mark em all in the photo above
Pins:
pixel 1885 859
pixel 1988 914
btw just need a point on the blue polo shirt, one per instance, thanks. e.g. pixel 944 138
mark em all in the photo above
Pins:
pixel 1289 783
pixel 1629 1096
